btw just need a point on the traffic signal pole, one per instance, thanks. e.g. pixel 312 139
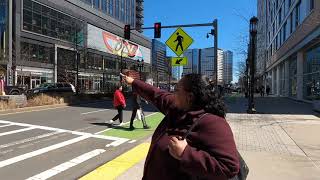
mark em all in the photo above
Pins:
pixel 214 24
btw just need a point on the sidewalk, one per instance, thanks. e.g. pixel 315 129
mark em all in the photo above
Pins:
pixel 282 143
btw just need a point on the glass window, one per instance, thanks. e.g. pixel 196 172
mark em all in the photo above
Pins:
pixel 111 7
pixel 297 21
pixel 311 78
pixel 46 11
pixel 49 22
pixel 122 14
pixel 311 4
pixel 280 16
pixel 104 6
pixel 287 33
pixel 27 4
pixel 27 19
pixel 96 4
pixel 117 9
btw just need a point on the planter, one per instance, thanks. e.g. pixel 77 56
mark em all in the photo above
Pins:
pixel 316 105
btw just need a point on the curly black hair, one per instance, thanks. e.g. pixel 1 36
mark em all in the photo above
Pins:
pixel 204 97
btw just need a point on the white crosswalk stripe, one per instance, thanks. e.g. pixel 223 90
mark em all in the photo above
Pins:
pixel 67 165
pixel 48 132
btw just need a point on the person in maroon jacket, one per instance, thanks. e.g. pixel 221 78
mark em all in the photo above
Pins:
pixel 119 102
pixel 209 150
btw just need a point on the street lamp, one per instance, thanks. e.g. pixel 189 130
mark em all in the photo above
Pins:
pixel 253 36
pixel 140 66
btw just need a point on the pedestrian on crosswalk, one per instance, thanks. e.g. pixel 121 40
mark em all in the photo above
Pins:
pixel 119 102
pixel 137 110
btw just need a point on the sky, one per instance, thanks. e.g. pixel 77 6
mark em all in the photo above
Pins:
pixel 233 22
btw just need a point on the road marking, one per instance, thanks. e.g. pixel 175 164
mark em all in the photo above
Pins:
pixel 27 140
pixel 16 131
pixel 66 131
pixel 5 125
pixel 67 165
pixel 119 165
pixel 108 129
pixel 40 151
pixel 133 141
pixel 90 112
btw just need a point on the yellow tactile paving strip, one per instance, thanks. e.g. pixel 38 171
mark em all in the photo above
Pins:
pixel 119 165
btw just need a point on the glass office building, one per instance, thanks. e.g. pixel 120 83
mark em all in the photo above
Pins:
pixel 60 42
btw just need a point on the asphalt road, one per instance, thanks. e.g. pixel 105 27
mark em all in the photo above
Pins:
pixel 59 143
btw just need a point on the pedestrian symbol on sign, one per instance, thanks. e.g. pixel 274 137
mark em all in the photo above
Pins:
pixel 180 40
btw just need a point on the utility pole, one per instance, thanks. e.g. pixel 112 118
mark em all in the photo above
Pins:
pixel 215 27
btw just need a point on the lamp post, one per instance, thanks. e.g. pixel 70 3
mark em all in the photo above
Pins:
pixel 140 66
pixel 253 36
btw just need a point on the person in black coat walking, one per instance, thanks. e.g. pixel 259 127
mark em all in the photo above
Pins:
pixel 137 106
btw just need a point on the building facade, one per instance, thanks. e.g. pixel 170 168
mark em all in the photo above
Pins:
pixel 202 60
pixel 291 31
pixel 160 63
pixel 227 67
pixel 177 73
pixel 193 61
pixel 75 41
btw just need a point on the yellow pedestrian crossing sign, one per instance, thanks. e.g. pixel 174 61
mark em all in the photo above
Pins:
pixel 179 61
pixel 179 41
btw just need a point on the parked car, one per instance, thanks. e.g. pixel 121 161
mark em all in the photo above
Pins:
pixel 53 88
pixel 15 90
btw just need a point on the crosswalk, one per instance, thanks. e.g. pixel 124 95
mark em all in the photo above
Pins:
pixel 41 152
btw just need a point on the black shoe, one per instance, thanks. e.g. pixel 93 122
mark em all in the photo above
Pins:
pixel 146 127
pixel 132 128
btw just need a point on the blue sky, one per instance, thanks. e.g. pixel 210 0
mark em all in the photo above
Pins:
pixel 232 15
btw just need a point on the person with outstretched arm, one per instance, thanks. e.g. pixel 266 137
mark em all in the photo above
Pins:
pixel 207 151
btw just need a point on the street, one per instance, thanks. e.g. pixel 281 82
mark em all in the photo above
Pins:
pixel 59 143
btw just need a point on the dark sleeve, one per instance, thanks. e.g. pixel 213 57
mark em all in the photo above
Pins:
pixel 163 100
pixel 220 156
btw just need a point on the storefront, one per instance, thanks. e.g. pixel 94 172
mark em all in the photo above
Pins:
pixel 311 74
pixel 32 77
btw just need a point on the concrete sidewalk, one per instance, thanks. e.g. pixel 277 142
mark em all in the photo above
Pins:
pixel 282 142
pixel 274 146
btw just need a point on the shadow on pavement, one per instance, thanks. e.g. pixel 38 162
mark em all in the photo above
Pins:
pixel 269 105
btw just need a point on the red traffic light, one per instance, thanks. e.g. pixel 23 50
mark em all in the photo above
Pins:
pixel 127 31
pixel 157 30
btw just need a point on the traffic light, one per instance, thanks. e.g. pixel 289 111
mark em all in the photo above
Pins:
pixel 157 30
pixel 127 31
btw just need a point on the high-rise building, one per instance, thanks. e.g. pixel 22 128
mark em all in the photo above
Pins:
pixel 40 40
pixel 160 63
pixel 193 61
pixel 125 11
pixel 288 47
pixel 227 67
pixel 177 73
pixel 206 63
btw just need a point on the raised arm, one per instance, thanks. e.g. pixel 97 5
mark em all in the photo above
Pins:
pixel 161 99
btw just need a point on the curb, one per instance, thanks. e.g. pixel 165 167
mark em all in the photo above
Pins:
pixel 4 112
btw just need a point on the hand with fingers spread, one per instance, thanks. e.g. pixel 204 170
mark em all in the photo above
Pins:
pixel 176 146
